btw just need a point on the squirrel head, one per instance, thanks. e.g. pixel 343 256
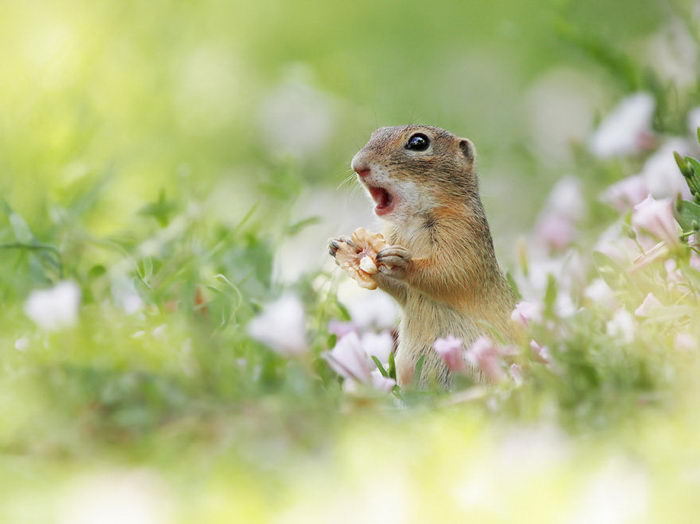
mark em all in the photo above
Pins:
pixel 409 170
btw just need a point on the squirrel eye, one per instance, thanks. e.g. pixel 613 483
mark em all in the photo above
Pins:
pixel 418 142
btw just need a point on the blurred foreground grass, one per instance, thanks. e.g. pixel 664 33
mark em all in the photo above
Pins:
pixel 171 161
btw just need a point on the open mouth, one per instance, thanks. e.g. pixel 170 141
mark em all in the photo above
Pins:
pixel 383 199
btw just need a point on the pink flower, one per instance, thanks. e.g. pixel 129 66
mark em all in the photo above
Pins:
pixel 648 306
pixel 349 359
pixel 525 312
pixel 695 261
pixel 452 353
pixel 541 353
pixel 340 329
pixel 556 225
pixel 555 232
pixel 655 217
pixel 626 193
pixel 485 355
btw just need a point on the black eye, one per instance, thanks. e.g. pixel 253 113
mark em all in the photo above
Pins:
pixel 418 142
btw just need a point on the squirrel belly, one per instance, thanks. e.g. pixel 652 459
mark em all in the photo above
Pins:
pixel 439 262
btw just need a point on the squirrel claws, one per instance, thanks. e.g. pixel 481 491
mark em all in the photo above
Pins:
pixel 335 243
pixel 394 261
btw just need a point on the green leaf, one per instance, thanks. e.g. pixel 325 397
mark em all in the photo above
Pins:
pixel 681 162
pixel 344 313
pixel 380 367
pixel 692 177
pixel 332 340
pixel 295 228
pixel 21 228
pixel 688 215
pixel 145 270
pixel 161 209
pixel 392 365
pixel 550 295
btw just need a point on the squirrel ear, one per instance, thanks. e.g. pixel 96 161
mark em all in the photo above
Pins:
pixel 468 149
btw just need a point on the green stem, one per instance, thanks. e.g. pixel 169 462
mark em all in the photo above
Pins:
pixel 37 247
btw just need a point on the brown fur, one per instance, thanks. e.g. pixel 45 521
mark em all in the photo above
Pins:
pixel 447 279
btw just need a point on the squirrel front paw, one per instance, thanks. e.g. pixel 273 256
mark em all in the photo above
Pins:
pixel 334 244
pixel 355 255
pixel 393 261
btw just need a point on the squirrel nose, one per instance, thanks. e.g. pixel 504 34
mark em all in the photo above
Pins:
pixel 360 167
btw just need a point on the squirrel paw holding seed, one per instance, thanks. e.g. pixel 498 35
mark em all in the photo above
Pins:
pixel 357 255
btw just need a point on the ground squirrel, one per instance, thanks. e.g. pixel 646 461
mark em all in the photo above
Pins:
pixel 439 263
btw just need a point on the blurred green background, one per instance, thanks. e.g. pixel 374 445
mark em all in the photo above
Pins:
pixel 190 96
pixel 193 156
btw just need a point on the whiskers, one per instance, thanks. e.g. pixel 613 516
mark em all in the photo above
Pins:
pixel 346 181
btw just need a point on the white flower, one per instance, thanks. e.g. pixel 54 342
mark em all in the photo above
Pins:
pixel 566 198
pixel 626 193
pixel 54 308
pixel 615 244
pixel 599 292
pixel 280 325
pixel 125 295
pixel 674 276
pixel 378 345
pixel 622 326
pixel 656 218
pixel 525 312
pixel 370 309
pixel 673 55
pixel 516 373
pixel 382 383
pixel 541 352
pixel 661 173
pixel 451 351
pixel 648 306
pixel 625 130
pixel 685 342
